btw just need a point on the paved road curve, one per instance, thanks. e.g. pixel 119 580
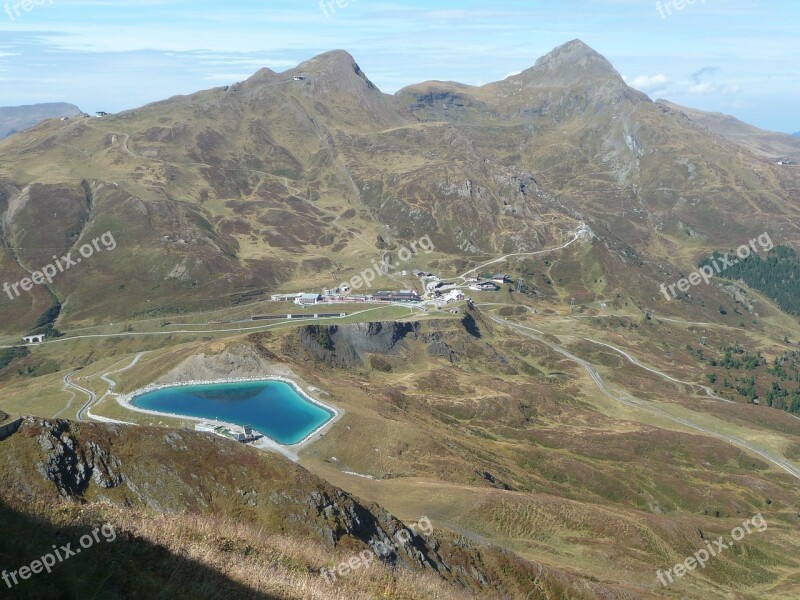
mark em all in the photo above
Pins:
pixel 85 411
pixel 632 401
pixel 81 411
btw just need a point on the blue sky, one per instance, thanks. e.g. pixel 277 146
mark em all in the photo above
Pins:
pixel 734 56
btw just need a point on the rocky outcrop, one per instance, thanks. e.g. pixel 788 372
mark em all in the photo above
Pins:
pixel 395 543
pixel 144 467
pixel 346 345
pixel 436 346
pixel 71 465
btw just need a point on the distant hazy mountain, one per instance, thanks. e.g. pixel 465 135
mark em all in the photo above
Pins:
pixel 766 143
pixel 17 118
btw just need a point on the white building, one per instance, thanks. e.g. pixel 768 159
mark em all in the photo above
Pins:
pixel 308 299
pixel 284 297
pixel 244 434
pixel 453 296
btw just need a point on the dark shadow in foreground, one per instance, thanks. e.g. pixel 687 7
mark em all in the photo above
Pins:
pixel 127 567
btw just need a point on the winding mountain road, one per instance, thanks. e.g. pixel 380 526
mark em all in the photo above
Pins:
pixel 85 412
pixel 82 410
pixel 578 234
pixel 631 401
pixel 707 389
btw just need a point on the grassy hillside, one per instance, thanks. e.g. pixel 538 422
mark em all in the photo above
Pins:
pixel 223 196
pixel 245 523
pixel 503 440
pixel 569 435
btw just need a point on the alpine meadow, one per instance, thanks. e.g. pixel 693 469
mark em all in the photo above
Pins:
pixel 318 332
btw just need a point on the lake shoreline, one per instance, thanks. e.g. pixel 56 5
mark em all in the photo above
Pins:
pixel 126 401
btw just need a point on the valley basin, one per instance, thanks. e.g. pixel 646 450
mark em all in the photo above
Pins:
pixel 275 407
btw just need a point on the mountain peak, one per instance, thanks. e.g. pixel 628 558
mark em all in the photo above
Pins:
pixel 569 64
pixel 17 118
pixel 263 75
pixel 338 55
pixel 335 60
pixel 574 47
pixel 332 67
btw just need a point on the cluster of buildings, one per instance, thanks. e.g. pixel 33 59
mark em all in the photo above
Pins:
pixel 401 296
pixel 339 297
pixel 450 296
pixel 443 292
pixel 488 284
pixel 247 434
pixel 493 283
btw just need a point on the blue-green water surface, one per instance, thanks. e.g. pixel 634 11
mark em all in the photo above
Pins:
pixel 273 408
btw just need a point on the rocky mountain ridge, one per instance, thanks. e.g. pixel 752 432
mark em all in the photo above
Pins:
pixel 297 180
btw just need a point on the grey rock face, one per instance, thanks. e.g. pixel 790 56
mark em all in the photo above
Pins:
pixel 71 466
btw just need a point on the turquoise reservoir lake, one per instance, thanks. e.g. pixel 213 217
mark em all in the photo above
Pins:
pixel 273 408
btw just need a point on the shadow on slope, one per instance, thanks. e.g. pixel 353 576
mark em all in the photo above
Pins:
pixel 120 565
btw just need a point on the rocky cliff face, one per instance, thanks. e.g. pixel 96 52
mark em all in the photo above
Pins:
pixel 347 345
pixel 70 465
pixel 138 466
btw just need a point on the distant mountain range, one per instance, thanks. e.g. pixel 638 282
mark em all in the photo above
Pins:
pixel 297 180
pixel 18 118
pixel 570 434
pixel 766 143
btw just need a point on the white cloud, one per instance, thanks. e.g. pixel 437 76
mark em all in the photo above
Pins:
pixel 648 83
pixel 703 89
pixel 700 89
pixel 696 85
